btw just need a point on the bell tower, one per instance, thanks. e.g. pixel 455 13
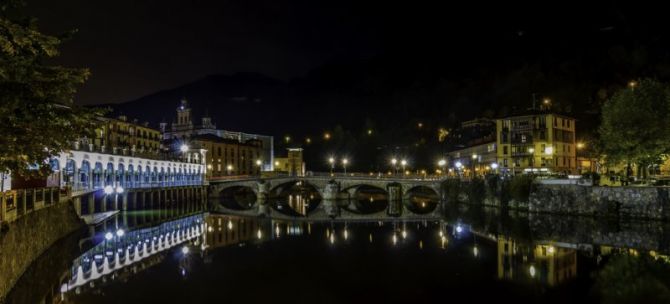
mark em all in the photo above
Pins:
pixel 184 113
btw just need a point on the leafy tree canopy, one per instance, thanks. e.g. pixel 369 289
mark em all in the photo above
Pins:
pixel 39 117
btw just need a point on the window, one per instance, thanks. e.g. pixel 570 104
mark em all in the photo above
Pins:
pixel 505 151
pixel 523 138
pixel 505 161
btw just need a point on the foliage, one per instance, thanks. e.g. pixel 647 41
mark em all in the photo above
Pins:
pixel 520 187
pixel 492 181
pixel 632 279
pixel 476 190
pixel 452 187
pixel 39 116
pixel 635 124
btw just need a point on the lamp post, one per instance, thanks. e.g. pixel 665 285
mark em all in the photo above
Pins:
pixel 532 158
pixel 344 165
pixel 184 149
pixel 258 164
pixel 229 168
pixel 474 159
pixel 443 164
pixel 332 165
pixel 403 163
pixel 394 162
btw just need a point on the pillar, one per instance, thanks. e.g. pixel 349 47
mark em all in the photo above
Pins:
pixel 330 194
pixel 395 199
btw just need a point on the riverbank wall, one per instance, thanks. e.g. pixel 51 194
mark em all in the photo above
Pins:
pixel 633 202
pixel 25 239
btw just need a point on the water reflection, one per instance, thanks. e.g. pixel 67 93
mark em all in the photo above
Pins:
pixel 208 255
pixel 298 199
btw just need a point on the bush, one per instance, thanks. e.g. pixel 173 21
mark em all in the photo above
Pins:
pixel 452 187
pixel 476 190
pixel 520 187
pixel 492 182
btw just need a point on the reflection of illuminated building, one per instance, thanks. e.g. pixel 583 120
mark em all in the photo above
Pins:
pixel 298 203
pixel 545 263
pixel 225 230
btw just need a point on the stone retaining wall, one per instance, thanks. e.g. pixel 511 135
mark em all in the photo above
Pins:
pixel 634 202
pixel 24 240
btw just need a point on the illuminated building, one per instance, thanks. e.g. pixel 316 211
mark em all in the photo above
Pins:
pixel 184 129
pixel 292 164
pixel 120 136
pixel 227 156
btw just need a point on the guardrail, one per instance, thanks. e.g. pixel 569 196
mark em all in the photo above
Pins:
pixel 17 203
pixel 81 187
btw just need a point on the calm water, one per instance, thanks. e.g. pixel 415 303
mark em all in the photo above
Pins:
pixel 472 254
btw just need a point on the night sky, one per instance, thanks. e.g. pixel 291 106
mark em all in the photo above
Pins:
pixel 135 48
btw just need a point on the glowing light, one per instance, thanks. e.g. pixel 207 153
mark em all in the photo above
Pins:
pixel 549 150
pixel 475 251
pixel 230 225
pixel 277 163
pixel 277 231
pixel 531 271
pixel 258 162
pixel 109 190
pixel 441 233
pixel 345 161
pixel 332 238
pixel 326 136
pixel 120 232
pixel 395 239
pixel 423 204
pixel 370 237
pixel 494 166
pixel 184 250
pixel 474 156
pixel 287 138
pixel 442 163
pixel 403 162
pixel 580 145
pixel 459 229
pixel 420 125
pixel 546 101
pixel 331 160
pixel 404 234
pixel 183 148
pixel 394 161
pixel 632 84
pixel 551 249
pixel 308 140
pixel 119 189
pixel 108 236
pixel 369 131
pixel 346 234
pixel 229 167
pixel 459 164
pixel 259 234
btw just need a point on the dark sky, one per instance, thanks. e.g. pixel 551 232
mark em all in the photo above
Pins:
pixel 134 48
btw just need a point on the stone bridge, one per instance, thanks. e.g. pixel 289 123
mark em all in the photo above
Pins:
pixel 331 189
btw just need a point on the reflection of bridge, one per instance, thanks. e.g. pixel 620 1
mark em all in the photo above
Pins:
pixel 334 188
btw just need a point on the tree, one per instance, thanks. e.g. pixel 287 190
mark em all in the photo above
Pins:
pixel 634 126
pixel 39 117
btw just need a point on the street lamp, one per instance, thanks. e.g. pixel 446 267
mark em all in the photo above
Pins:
pixel 332 164
pixel 494 166
pixel 474 159
pixel 442 163
pixel 403 163
pixel 258 164
pixel 394 162
pixel 229 168
pixel 344 165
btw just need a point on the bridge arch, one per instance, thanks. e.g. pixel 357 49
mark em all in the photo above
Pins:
pixel 366 198
pixel 421 199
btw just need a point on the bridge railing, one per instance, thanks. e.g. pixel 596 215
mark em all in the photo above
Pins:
pixel 19 202
pixel 84 187
pixel 378 176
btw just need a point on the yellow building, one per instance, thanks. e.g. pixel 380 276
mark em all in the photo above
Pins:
pixel 227 157
pixel 292 164
pixel 120 136
pixel 538 142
